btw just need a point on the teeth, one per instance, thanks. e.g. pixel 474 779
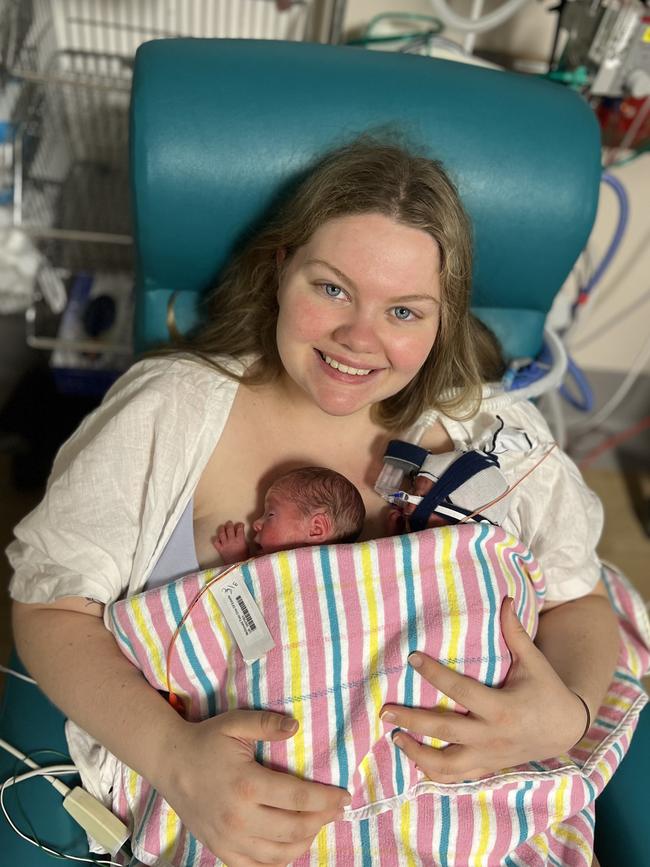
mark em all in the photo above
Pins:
pixel 355 371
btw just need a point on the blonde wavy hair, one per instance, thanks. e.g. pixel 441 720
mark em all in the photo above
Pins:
pixel 368 175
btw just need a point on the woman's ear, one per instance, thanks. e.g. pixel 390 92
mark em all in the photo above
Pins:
pixel 280 256
pixel 320 527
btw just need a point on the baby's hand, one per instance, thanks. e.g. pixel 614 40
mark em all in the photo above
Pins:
pixel 230 542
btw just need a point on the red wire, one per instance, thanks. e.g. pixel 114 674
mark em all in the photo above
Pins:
pixel 613 441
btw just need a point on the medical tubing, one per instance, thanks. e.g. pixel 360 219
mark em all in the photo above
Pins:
pixel 585 401
pixel 479 25
pixel 623 214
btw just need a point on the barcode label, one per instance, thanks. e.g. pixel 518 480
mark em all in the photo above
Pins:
pixel 243 616
pixel 250 623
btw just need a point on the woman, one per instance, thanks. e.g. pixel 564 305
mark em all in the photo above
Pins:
pixel 338 325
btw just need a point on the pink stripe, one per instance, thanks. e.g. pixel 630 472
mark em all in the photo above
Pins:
pixel 386 838
pixel 463 806
pixel 267 585
pixel 354 664
pixel 309 581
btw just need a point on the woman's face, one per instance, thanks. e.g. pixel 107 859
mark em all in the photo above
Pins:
pixel 359 311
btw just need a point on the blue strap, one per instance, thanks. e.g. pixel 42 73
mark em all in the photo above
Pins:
pixel 458 472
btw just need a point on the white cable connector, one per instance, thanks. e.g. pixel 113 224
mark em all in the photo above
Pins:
pixel 96 819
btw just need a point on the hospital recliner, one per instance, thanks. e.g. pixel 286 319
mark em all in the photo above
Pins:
pixel 220 127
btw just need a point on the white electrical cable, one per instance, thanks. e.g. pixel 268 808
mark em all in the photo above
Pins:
pixel 619 395
pixel 61 788
pixel 45 772
pixel 24 677
pixel 480 25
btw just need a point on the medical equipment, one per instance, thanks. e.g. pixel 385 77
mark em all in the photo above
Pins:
pixel 96 819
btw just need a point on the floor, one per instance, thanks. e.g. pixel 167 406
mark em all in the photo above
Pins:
pixel 624 542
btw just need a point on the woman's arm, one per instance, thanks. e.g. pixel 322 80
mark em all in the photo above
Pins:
pixel 535 714
pixel 244 813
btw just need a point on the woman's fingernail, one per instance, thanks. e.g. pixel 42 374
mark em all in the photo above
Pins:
pixel 289 725
pixel 388 716
pixel 346 800
pixel 397 740
pixel 415 659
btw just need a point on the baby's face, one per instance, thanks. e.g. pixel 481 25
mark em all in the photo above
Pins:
pixel 282 526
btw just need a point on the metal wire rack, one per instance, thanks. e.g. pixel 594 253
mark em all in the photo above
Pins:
pixel 73 59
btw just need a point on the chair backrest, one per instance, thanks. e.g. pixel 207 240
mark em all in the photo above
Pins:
pixel 219 127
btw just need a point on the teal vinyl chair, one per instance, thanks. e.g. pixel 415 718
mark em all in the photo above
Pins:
pixel 220 128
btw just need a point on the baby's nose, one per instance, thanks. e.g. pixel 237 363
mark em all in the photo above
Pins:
pixel 257 525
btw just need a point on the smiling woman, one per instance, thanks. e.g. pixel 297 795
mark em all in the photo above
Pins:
pixel 341 323
pixel 349 345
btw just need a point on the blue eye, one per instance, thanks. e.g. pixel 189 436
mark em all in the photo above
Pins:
pixel 331 290
pixel 402 313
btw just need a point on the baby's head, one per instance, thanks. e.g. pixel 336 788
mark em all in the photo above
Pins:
pixel 309 506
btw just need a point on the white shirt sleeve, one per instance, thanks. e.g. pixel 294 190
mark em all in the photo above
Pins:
pixel 552 511
pixel 118 483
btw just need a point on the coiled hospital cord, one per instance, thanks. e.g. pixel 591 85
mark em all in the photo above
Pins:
pixel 615 243
pixel 95 818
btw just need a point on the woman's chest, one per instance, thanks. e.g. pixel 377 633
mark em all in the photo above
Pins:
pixel 253 452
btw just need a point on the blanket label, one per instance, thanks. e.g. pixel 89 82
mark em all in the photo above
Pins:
pixel 243 617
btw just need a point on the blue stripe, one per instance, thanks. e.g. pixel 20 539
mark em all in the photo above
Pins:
pixel 508 862
pixel 492 630
pixel 521 812
pixel 593 791
pixel 121 635
pixel 445 817
pixel 617 749
pixel 191 849
pixel 153 794
pixel 621 675
pixel 587 816
pixel 554 860
pixel 335 644
pixel 399 771
pixel 189 650
pixel 364 833
pixel 411 616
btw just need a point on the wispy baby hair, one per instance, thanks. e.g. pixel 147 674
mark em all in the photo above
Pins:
pixel 319 489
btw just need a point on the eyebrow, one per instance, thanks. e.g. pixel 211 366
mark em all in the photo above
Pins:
pixel 400 299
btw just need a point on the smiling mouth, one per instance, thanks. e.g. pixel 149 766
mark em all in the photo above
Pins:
pixel 344 368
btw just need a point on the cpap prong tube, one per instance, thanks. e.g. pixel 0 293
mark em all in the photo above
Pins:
pixel 402 458
pixel 400 498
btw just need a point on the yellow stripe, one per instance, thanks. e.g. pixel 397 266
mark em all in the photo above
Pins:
pixel 368 777
pixel 451 651
pixel 540 844
pixel 484 828
pixel 560 812
pixel 321 844
pixel 408 856
pixel 623 704
pixel 153 650
pixel 171 833
pixel 572 836
pixel 289 610
pixel 133 783
pixel 373 636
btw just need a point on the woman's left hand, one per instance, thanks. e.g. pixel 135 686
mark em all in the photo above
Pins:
pixel 533 716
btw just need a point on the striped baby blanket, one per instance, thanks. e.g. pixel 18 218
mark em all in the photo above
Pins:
pixel 344 619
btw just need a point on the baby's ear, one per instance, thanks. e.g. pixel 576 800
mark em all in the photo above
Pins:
pixel 320 526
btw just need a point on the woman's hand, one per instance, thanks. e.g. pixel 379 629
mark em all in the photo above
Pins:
pixel 243 812
pixel 533 716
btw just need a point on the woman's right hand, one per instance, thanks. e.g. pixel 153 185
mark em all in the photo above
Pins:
pixel 243 812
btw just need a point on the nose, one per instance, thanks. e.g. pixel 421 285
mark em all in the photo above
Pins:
pixel 358 334
pixel 257 525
